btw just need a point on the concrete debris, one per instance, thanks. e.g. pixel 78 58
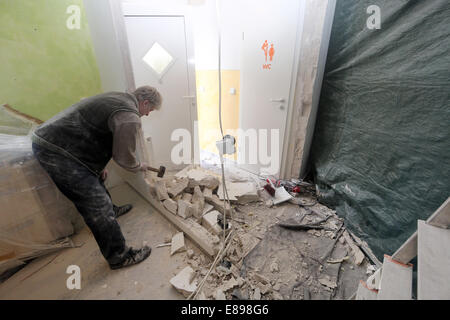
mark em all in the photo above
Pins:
pixel 187 197
pixel 201 296
pixel 185 209
pixel 332 261
pixel 229 284
pixel 183 283
pixel 177 243
pixel 330 234
pixel 220 295
pixel 209 221
pixel 257 294
pixel 164 244
pixel 277 286
pixel 327 282
pixel 199 177
pixel 374 280
pixel 357 253
pixel 208 207
pixel 261 278
pixel 223 270
pixel 277 296
pixel 234 270
pixel 207 193
pixel 170 205
pixel 194 264
pixel 198 201
pixel 238 295
pixel 161 190
pixel 242 192
pixel 209 182
pixel 264 288
pixel 178 187
pixel 274 267
pixel 190 253
pixel 219 205
pixel 370 269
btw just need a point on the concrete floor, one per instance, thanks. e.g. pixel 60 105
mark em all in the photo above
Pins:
pixel 45 278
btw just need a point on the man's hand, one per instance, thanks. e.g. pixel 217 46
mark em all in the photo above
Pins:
pixel 104 174
pixel 143 167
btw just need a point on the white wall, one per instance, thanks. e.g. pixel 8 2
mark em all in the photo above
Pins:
pixel 106 47
pixel 205 26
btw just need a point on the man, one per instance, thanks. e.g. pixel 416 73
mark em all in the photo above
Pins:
pixel 74 147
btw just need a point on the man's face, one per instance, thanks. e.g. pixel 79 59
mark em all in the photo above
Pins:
pixel 145 108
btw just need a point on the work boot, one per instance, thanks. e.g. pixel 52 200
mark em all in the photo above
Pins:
pixel 133 256
pixel 118 211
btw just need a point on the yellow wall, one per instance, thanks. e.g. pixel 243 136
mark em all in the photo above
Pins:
pixel 208 106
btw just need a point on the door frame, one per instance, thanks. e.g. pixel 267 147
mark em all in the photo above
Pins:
pixel 121 9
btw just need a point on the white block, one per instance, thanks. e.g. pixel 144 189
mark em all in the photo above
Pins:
pixel 183 281
pixel 396 280
pixel 209 221
pixel 433 262
pixel 177 243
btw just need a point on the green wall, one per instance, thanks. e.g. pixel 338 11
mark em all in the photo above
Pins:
pixel 45 67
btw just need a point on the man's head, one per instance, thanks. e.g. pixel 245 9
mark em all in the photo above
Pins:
pixel 149 99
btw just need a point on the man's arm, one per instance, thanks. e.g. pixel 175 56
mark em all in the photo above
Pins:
pixel 125 128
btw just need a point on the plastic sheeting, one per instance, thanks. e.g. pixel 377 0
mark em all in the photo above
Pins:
pixel 34 216
pixel 381 151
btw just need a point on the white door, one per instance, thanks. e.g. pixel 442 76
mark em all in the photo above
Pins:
pixel 268 50
pixel 158 54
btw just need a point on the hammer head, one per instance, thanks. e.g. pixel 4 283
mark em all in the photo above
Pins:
pixel 161 171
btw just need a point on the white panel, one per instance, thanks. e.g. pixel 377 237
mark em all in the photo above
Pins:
pixel 396 280
pixel 433 269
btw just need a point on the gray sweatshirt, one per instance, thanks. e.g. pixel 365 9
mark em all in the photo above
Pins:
pixel 125 127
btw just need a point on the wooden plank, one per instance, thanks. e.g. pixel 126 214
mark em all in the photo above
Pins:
pixel 396 280
pixel 206 241
pixel 433 269
pixel 440 218
pixel 364 293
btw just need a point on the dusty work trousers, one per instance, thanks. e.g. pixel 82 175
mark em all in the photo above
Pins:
pixel 90 197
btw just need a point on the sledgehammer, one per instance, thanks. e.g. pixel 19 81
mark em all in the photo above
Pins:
pixel 160 171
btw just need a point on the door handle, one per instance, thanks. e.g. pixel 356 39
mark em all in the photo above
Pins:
pixel 277 100
pixel 188 97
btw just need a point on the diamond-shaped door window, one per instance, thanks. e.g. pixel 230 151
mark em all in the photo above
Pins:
pixel 158 59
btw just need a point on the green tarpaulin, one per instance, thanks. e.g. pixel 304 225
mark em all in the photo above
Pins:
pixel 381 148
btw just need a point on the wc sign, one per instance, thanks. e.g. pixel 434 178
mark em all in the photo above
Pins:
pixel 269 52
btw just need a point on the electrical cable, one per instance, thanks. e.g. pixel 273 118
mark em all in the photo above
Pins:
pixel 226 201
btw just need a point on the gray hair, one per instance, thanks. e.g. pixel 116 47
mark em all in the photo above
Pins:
pixel 150 94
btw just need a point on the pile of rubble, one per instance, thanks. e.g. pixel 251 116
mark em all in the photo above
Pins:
pixel 192 194
pixel 196 193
